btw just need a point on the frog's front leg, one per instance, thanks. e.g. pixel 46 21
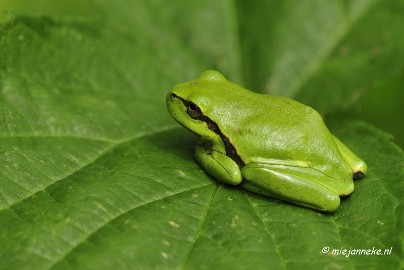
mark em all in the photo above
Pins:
pixel 299 185
pixel 218 165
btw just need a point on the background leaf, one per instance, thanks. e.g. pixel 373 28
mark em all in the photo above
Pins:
pixel 339 56
pixel 95 174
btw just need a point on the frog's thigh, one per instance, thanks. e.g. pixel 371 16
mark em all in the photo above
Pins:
pixel 358 166
pixel 293 184
pixel 218 165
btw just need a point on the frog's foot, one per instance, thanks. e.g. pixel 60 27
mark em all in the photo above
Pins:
pixel 358 166
pixel 299 185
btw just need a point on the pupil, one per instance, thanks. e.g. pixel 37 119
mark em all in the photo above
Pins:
pixel 193 110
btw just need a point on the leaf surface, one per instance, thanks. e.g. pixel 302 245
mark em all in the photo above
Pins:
pixel 95 174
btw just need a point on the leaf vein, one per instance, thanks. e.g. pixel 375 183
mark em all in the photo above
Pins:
pixel 199 231
pixel 267 231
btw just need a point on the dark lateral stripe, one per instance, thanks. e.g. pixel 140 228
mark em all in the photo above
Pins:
pixel 231 151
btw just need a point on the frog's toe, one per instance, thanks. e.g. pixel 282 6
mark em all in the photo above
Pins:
pixel 348 189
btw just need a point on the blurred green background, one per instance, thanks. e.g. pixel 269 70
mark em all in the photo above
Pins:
pixel 380 103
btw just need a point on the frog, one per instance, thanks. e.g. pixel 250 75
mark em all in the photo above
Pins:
pixel 269 145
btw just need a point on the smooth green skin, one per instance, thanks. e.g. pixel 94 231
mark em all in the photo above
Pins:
pixel 270 145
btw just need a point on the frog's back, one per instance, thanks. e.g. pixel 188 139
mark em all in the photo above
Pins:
pixel 277 127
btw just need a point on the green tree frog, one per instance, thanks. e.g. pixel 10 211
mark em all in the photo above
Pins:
pixel 270 145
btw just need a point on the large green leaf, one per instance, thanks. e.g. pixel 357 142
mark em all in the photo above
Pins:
pixel 94 173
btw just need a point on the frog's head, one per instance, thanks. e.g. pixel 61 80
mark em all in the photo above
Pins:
pixel 192 103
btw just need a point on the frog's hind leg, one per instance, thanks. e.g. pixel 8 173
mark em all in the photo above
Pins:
pixel 302 186
pixel 358 166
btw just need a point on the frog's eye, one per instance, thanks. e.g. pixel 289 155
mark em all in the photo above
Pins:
pixel 193 110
